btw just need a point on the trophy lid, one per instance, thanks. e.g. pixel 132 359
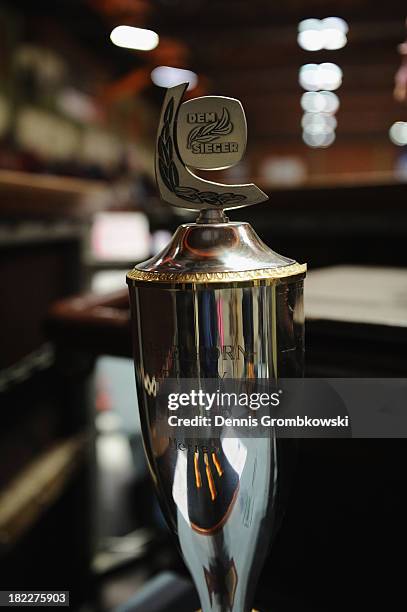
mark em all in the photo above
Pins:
pixel 207 133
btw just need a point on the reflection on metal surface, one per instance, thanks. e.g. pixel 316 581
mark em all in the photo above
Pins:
pixel 211 253
pixel 218 495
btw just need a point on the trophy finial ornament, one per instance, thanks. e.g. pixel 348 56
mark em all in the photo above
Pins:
pixel 206 133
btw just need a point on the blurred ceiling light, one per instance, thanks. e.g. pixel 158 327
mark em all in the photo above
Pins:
pixel 330 76
pixel 314 77
pixel 308 77
pixel 167 76
pixel 334 39
pixel 331 101
pixel 335 23
pixel 317 34
pixel 309 24
pixel 398 133
pixel 334 31
pixel 320 102
pixel 312 102
pixel 318 141
pixel 310 35
pixel 134 38
pixel 317 123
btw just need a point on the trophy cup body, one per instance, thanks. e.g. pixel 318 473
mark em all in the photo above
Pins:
pixel 216 303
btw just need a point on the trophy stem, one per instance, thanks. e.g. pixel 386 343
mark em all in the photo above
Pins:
pixel 212 215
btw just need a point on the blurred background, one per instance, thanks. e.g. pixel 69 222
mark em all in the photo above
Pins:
pixel 324 87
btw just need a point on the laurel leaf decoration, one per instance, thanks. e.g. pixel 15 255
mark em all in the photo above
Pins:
pixel 190 194
pixel 173 175
pixel 229 198
pixel 186 190
pixel 168 168
pixel 169 111
pixel 211 131
pixel 163 151
pixel 192 134
pixel 209 197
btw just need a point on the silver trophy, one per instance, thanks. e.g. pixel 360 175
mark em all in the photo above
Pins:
pixel 215 303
